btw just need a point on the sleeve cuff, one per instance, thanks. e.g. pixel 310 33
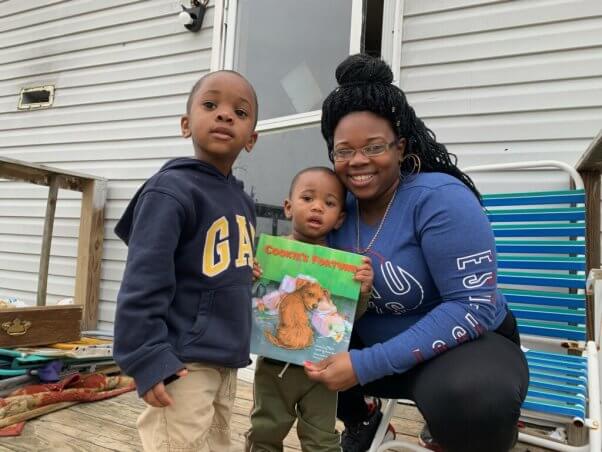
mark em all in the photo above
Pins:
pixel 154 369
pixel 369 364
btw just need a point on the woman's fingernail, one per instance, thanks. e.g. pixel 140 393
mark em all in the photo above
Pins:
pixel 308 364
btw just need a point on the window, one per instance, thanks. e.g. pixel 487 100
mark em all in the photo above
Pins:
pixel 289 52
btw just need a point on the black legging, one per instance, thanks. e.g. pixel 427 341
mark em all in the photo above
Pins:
pixel 470 396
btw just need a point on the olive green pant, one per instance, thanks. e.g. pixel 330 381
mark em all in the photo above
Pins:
pixel 279 401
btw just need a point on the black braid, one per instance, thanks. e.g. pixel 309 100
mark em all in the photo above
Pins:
pixel 365 84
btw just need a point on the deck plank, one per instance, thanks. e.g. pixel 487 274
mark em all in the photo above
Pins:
pixel 110 425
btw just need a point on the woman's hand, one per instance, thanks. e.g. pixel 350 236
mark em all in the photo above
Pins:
pixel 335 372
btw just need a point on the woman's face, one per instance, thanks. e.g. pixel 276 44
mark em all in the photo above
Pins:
pixel 367 178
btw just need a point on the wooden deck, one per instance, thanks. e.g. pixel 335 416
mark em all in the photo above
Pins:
pixel 110 425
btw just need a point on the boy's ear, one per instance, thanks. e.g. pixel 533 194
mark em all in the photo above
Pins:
pixel 185 126
pixel 288 209
pixel 251 142
pixel 340 221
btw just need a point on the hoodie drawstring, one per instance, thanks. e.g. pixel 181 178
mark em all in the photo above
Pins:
pixel 283 370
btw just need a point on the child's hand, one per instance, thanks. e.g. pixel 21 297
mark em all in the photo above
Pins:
pixel 157 396
pixel 256 270
pixel 365 275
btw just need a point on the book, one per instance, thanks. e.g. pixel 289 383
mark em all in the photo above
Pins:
pixel 304 303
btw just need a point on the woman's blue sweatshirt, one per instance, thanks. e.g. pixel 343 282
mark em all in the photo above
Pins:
pixel 434 275
pixel 186 290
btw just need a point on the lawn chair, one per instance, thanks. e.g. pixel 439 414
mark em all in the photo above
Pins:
pixel 540 241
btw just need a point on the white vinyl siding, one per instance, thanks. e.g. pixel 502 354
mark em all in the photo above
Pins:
pixel 498 81
pixel 122 72
pixel 505 81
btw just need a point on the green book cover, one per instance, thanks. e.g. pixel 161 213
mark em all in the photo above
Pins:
pixel 305 301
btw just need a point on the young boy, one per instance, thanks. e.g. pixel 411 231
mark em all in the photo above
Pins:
pixel 283 393
pixel 183 318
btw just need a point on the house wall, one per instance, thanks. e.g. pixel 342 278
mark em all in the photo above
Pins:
pixel 122 71
pixel 505 81
pixel 498 81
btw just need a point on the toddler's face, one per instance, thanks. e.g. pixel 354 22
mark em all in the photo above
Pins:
pixel 315 206
pixel 222 119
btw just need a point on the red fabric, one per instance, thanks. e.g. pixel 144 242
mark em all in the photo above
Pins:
pixel 12 430
pixel 74 388
pixel 33 389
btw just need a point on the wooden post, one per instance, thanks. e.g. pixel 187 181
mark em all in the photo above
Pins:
pixel 53 192
pixel 589 167
pixel 591 182
pixel 89 250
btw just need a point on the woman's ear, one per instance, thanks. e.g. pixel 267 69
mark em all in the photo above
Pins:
pixel 185 126
pixel 401 147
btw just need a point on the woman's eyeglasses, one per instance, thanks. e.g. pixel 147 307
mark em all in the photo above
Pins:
pixel 372 150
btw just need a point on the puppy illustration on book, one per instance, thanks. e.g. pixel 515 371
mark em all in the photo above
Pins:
pixel 294 330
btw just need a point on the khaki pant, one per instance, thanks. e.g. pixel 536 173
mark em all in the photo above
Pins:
pixel 198 419
pixel 278 402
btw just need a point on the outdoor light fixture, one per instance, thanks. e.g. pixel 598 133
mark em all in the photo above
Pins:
pixel 192 18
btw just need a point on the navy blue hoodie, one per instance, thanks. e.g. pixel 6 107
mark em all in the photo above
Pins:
pixel 186 291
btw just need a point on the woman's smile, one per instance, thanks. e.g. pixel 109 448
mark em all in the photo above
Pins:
pixel 361 180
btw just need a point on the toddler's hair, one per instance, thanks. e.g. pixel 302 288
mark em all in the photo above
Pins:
pixel 322 169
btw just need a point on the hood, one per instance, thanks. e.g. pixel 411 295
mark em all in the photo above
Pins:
pixel 123 227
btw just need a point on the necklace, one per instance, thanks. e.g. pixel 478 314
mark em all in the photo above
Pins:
pixel 380 225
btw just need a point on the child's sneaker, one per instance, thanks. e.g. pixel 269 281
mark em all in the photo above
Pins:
pixel 426 440
pixel 358 437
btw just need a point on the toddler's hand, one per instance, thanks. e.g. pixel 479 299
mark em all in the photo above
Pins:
pixel 256 270
pixel 365 275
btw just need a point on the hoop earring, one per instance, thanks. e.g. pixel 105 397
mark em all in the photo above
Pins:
pixel 415 165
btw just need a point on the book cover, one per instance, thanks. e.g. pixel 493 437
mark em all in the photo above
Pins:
pixel 305 301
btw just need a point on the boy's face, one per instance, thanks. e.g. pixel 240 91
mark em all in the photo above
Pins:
pixel 221 120
pixel 315 206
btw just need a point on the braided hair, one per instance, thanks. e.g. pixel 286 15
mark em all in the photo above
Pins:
pixel 365 84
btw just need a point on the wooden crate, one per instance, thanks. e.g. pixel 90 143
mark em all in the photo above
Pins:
pixel 20 327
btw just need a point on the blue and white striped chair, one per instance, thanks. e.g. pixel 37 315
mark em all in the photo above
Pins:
pixel 540 241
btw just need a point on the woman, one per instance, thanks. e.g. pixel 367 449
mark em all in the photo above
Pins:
pixel 437 330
